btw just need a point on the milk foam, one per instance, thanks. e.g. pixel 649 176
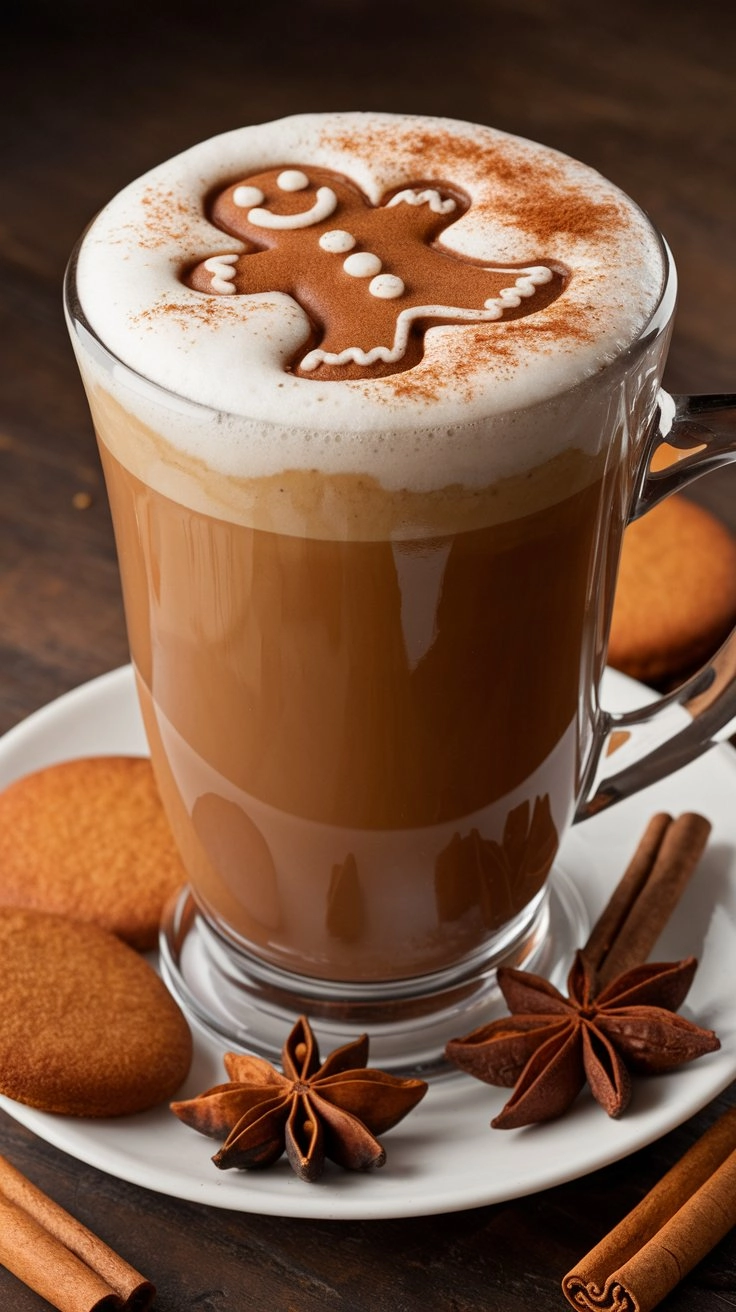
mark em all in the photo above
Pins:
pixel 487 400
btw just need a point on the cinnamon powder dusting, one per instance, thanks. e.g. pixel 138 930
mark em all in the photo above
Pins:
pixel 538 195
pixel 504 342
pixel 206 313
pixel 168 218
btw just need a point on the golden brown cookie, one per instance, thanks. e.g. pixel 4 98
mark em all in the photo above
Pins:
pixel 676 593
pixel 87 1028
pixel 88 838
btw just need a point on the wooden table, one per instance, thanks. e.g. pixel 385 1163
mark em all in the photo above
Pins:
pixel 94 93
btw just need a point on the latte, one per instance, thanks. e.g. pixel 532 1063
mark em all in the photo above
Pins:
pixel 366 389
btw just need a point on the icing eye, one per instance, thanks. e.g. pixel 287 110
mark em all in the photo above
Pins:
pixel 292 180
pixel 336 241
pixel 386 286
pixel 362 265
pixel 246 197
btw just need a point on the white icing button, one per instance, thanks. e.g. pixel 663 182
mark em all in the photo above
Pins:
pixel 386 286
pixel 291 180
pixel 336 241
pixel 245 197
pixel 362 265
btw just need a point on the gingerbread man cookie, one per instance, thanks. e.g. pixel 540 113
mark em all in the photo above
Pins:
pixel 371 278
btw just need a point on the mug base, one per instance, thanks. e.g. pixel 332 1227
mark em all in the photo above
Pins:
pixel 252 1006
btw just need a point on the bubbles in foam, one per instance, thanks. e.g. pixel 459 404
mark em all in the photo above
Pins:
pixel 528 207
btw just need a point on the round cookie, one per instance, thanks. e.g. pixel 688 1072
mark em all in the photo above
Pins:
pixel 88 838
pixel 87 1028
pixel 675 597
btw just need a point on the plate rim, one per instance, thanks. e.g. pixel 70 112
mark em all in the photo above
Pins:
pixel 344 1196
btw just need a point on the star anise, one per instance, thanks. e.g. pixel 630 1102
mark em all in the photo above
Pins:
pixel 551 1044
pixel 312 1111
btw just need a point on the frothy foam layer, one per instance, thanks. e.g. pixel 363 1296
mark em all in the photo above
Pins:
pixel 167 280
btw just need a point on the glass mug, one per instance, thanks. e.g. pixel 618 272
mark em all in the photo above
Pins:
pixel 373 711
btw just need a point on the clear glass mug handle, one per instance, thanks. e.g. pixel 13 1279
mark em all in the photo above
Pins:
pixel 655 735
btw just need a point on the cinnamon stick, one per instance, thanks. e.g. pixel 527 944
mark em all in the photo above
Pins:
pixel 647 894
pixel 680 1220
pixel 58 1257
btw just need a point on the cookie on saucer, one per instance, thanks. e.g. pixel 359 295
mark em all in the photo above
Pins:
pixel 88 838
pixel 87 1028
pixel 675 598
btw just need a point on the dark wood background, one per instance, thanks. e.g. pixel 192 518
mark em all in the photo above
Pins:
pixel 91 94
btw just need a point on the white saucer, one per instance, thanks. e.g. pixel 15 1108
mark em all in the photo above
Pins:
pixel 443 1157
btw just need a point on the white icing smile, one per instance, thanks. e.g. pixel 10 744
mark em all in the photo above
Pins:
pixel 324 206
